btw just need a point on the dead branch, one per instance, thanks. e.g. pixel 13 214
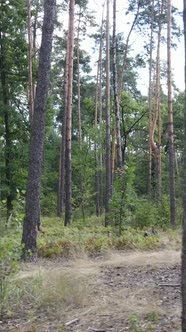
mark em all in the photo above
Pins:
pixel 76 320
pixel 169 285
pixel 96 330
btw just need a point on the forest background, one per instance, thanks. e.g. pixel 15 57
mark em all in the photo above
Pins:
pixel 91 162
pixel 138 142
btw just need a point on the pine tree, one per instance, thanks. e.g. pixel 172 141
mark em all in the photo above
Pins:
pixel 108 154
pixel 32 209
pixel 170 123
pixel 183 270
pixel 68 145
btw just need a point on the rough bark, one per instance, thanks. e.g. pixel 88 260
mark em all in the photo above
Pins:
pixel 68 166
pixel 183 272
pixel 32 209
pixel 170 124
pixel 8 143
pixel 79 114
pixel 108 154
pixel 30 48
pixel 115 90
pixel 150 99
pixel 34 38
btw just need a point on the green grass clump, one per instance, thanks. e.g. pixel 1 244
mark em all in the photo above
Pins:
pixel 143 324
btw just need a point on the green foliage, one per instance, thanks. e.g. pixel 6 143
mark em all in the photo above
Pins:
pixel 96 244
pixel 93 239
pixel 51 248
pixel 143 324
pixel 158 213
pixel 48 203
pixel 10 251
pixel 16 218
pixel 152 316
pixel 134 239
pixel 141 217
pixel 134 324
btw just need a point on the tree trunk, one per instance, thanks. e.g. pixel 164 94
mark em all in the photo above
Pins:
pixel 98 118
pixel 183 271
pixel 100 111
pixel 150 99
pixel 8 143
pixel 108 155
pixel 97 182
pixel 119 92
pixel 34 47
pixel 68 166
pixel 170 123
pixel 156 147
pixel 32 210
pixel 30 78
pixel 115 90
pixel 61 181
pixel 79 116
pixel 126 52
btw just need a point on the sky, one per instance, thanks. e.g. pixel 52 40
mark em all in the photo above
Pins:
pixel 137 43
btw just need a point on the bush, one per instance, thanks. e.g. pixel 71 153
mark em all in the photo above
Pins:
pixel 56 247
pixel 147 213
pixel 96 244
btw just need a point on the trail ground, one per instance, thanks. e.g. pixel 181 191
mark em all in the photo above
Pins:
pixel 137 291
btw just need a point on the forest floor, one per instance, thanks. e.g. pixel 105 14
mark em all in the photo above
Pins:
pixel 123 291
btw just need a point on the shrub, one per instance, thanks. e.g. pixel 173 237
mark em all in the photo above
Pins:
pixel 95 245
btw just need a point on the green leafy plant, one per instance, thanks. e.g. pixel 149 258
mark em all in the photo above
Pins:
pixel 134 324
pixel 10 252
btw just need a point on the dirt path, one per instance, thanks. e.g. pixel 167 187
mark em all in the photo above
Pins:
pixel 126 292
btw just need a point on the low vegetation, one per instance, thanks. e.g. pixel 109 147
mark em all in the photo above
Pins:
pixel 91 239
pixel 88 239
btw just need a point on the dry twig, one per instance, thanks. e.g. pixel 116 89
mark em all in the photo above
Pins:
pixel 76 320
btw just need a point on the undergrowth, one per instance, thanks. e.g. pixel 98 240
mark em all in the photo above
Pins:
pixel 94 239
pixel 91 239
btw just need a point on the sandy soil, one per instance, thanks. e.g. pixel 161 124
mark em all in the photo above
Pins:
pixel 138 291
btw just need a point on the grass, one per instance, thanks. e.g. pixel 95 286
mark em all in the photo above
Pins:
pixel 61 290
pixel 91 239
pixel 43 295
pixel 143 324
pixel 45 289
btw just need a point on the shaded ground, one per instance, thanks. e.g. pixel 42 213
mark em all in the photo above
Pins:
pixel 126 292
